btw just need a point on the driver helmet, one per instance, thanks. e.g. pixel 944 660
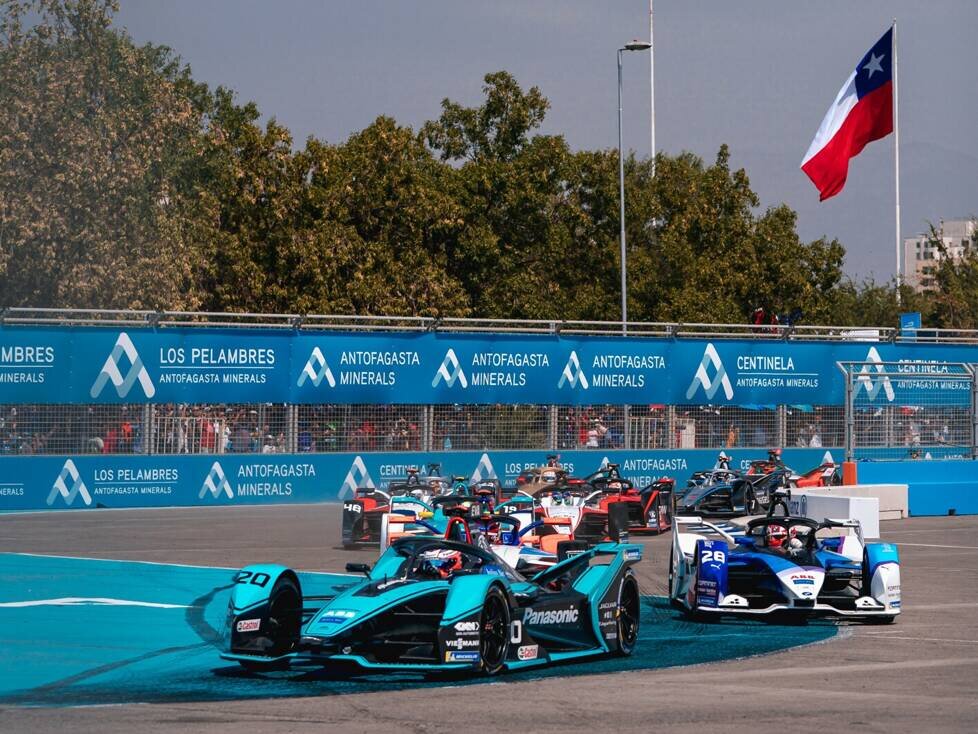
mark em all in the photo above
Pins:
pixel 774 454
pixel 775 535
pixel 443 562
pixel 417 493
pixel 557 498
pixel 723 460
pixel 794 542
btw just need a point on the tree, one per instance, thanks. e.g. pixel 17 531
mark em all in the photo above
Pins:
pixel 92 130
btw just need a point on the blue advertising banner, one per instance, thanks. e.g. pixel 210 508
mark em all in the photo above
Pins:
pixel 198 365
pixel 125 481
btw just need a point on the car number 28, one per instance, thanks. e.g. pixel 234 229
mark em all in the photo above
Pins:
pixel 713 556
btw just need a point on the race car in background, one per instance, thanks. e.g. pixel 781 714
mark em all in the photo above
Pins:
pixel 437 605
pixel 601 505
pixel 533 547
pixel 745 495
pixel 783 564
pixel 364 513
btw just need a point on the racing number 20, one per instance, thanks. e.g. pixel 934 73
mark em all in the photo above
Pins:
pixel 713 556
pixel 258 579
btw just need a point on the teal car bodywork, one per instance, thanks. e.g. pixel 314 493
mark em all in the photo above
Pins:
pixel 431 604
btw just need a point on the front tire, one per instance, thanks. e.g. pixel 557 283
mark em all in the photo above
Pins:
pixel 282 625
pixel 494 631
pixel 629 614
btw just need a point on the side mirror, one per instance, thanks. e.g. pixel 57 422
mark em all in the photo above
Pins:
pixel 363 568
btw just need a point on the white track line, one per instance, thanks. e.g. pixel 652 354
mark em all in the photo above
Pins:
pixel 161 563
pixel 71 601
pixel 930 545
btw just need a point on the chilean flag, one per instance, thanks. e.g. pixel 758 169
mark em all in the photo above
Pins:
pixel 862 112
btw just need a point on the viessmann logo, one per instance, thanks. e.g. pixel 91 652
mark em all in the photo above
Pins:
pixel 111 372
pixel 873 385
pixel 358 476
pixel 316 370
pixel 60 488
pixel 573 375
pixel 711 359
pixel 216 483
pixel 450 371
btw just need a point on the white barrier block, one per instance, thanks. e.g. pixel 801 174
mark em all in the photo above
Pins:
pixel 818 505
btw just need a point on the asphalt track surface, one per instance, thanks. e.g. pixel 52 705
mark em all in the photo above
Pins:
pixel 920 674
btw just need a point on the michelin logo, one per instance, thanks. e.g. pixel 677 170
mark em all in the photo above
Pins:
pixel 573 374
pixel 216 483
pixel 450 371
pixel 873 385
pixel 711 358
pixel 316 369
pixel 358 476
pixel 111 372
pixel 78 488
pixel 484 470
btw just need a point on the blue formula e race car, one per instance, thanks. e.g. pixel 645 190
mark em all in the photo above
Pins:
pixel 793 565
pixel 437 605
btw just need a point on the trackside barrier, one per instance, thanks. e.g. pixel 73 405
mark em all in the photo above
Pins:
pixel 820 505
pixel 947 487
pixel 123 481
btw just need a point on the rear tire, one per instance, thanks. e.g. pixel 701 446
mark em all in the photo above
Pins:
pixel 494 631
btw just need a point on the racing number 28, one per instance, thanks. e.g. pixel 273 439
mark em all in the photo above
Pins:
pixel 245 577
pixel 713 556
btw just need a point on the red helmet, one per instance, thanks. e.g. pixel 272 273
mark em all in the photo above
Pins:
pixel 775 535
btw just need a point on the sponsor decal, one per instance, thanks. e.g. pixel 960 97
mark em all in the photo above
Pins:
pixel 248 625
pixel 462 642
pixel 528 652
pixel 316 370
pixel 358 476
pixel 873 385
pixel 633 554
pixel 484 470
pixel 702 379
pixel 60 488
pixel 216 482
pixel 552 616
pixel 573 375
pixel 466 626
pixel 110 371
pixel 450 371
pixel 337 616
pixel 355 507
pixel 462 657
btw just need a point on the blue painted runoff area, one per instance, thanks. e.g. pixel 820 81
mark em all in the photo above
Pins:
pixel 937 487
pixel 85 632
pixel 86 482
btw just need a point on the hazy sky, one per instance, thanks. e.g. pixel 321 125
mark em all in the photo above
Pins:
pixel 756 74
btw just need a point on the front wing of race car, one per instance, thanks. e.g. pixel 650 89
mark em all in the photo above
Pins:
pixel 440 625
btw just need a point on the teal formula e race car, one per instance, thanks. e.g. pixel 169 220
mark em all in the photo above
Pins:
pixel 434 605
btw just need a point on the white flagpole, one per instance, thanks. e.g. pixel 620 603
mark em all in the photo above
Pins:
pixel 896 160
pixel 652 88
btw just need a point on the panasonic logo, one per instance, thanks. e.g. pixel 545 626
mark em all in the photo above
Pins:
pixel 552 616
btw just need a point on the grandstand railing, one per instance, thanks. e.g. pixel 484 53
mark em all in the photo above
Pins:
pixel 797 332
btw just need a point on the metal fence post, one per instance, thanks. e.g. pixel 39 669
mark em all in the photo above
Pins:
pixel 626 411
pixel 552 428
pixel 670 441
pixel 148 430
pixel 849 413
pixel 974 411
pixel 782 419
pixel 291 426
pixel 427 418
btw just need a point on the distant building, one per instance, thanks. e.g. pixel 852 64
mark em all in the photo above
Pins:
pixel 921 257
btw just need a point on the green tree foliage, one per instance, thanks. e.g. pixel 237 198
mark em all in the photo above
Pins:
pixel 955 299
pixel 92 134
pixel 126 184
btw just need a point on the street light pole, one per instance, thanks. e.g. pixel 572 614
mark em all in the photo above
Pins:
pixel 621 211
pixel 633 46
